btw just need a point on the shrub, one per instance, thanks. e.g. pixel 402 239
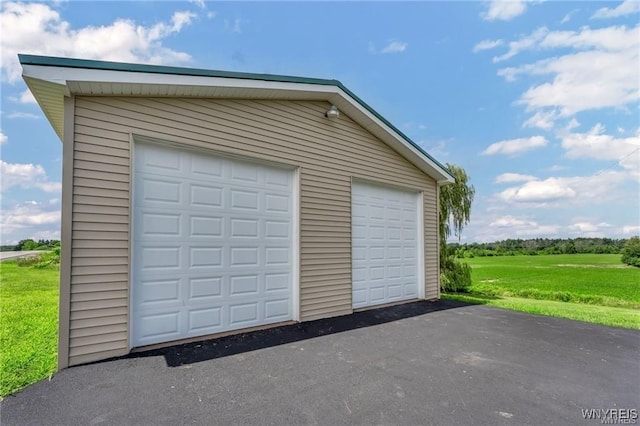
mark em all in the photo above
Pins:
pixel 631 252
pixel 28 261
pixel 51 258
pixel 455 276
pixel 45 260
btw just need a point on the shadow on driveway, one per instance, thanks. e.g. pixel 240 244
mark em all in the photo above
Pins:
pixel 194 352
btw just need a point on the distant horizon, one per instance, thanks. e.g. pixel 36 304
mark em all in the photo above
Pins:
pixel 450 241
pixel 537 101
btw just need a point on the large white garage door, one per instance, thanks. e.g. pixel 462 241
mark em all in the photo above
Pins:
pixel 212 244
pixel 385 226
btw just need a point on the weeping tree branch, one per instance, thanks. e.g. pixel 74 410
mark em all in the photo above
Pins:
pixel 455 204
pixel 455 208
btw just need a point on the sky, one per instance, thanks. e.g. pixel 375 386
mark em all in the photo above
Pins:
pixel 537 100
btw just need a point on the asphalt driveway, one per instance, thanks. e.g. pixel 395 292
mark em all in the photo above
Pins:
pixel 420 363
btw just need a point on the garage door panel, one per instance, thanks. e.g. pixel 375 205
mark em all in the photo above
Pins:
pixel 244 228
pixel 201 226
pixel 277 310
pixel 159 257
pixel 277 230
pixel 244 284
pixel 241 314
pixel 205 257
pixel 278 179
pixel 359 296
pixel 158 326
pixel 205 196
pixel 206 168
pixel 159 160
pixel 204 289
pixel 205 321
pixel 159 292
pixel 384 239
pixel 277 282
pixel 162 191
pixel 216 249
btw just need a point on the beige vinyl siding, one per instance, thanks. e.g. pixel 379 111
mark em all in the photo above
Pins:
pixel 329 154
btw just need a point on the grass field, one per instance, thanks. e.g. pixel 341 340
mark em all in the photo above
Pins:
pixel 28 325
pixel 589 287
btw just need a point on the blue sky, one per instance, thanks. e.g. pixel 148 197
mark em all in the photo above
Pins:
pixel 537 100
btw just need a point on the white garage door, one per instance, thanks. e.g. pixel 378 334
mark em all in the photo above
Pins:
pixel 385 238
pixel 212 244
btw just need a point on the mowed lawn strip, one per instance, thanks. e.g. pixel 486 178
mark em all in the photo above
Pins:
pixel 605 315
pixel 28 325
pixel 597 279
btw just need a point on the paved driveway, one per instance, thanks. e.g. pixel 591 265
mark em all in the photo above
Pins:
pixel 421 363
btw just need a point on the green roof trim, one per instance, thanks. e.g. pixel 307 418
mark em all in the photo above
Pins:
pixel 198 72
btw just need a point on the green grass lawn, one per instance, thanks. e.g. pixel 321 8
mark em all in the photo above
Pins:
pixel 589 287
pixel 28 325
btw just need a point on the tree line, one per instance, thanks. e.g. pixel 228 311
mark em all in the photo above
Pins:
pixel 538 246
pixel 30 244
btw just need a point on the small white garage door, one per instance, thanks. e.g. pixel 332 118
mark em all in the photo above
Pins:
pixel 212 244
pixel 385 238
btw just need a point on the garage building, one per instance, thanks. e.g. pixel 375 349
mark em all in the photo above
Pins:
pixel 197 203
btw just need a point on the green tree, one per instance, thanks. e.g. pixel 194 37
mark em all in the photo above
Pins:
pixel 631 252
pixel 25 245
pixel 455 212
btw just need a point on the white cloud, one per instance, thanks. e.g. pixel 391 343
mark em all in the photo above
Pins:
pixel 27 97
pixel 608 39
pixel 600 146
pixel 395 47
pixel 542 120
pixel 503 227
pixel 631 229
pixel 564 191
pixel 513 177
pixel 538 191
pixel 524 43
pixel 602 73
pixel 516 146
pixel 504 10
pixel 18 114
pixel 588 227
pixel 510 221
pixel 26 176
pixel 496 227
pixel 30 220
pixel 3 138
pixel 199 3
pixel 38 28
pixel 568 16
pixel 572 125
pixel 627 7
pixel 178 21
pixel 29 214
pixel 487 45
